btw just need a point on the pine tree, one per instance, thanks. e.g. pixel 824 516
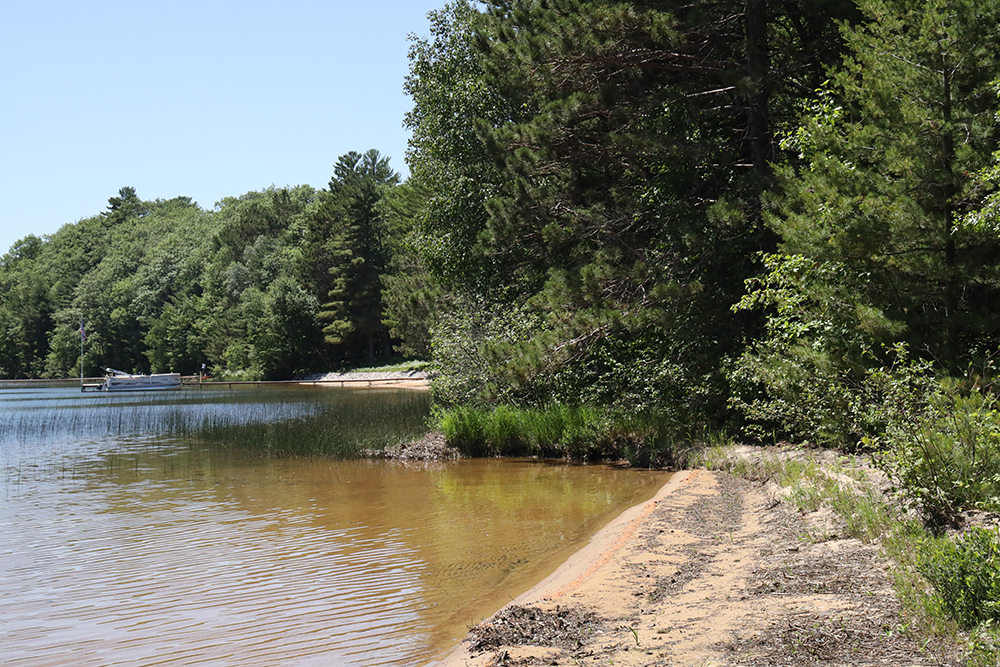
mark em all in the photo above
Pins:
pixel 894 153
pixel 349 255
pixel 628 208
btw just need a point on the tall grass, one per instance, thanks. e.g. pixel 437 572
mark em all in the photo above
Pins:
pixel 328 422
pixel 575 432
pixel 555 431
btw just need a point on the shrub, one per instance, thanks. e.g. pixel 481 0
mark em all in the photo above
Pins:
pixel 965 573
pixel 947 460
pixel 801 379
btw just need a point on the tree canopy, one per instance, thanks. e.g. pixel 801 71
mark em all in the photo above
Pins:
pixel 722 214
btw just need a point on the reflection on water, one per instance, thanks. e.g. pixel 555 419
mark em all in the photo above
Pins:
pixel 164 550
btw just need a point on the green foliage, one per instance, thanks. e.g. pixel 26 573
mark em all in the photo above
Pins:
pixel 167 286
pixel 583 173
pixel 558 430
pixel 472 346
pixel 803 377
pixel 447 158
pixel 894 149
pixel 350 253
pixel 413 297
pixel 965 573
pixel 945 459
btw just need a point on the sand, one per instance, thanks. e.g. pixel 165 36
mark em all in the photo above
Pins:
pixel 714 571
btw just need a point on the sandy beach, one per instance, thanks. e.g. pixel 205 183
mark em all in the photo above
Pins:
pixel 713 570
pixel 399 380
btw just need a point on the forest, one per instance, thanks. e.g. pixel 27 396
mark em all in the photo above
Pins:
pixel 776 218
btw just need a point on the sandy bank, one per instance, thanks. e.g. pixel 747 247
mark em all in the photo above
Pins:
pixel 402 380
pixel 713 571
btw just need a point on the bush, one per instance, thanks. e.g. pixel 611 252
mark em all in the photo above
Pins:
pixel 965 573
pixel 801 379
pixel 947 460
pixel 473 348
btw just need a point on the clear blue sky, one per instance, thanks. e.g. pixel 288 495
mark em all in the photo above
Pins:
pixel 199 98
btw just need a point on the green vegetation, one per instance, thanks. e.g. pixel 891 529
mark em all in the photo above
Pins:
pixel 342 426
pixel 327 422
pixel 946 461
pixel 965 573
pixel 579 433
pixel 627 225
pixel 772 220
pixel 737 217
pixel 962 570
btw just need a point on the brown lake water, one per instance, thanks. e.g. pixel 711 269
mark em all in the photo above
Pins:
pixel 126 538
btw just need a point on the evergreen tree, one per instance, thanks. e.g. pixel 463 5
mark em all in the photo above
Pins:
pixel 349 255
pixel 894 157
pixel 414 298
pixel 626 206
pixel 873 252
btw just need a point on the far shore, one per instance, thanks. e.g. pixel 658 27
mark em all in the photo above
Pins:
pixel 400 380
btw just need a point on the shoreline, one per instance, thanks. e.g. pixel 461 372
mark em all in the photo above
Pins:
pixel 401 380
pixel 712 570
pixel 398 379
pixel 581 568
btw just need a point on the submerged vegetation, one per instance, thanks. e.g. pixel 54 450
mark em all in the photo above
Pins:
pixel 325 422
pixel 342 427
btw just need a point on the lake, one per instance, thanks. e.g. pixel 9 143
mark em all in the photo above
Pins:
pixel 189 528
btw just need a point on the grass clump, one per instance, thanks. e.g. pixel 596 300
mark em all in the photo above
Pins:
pixel 555 431
pixel 575 432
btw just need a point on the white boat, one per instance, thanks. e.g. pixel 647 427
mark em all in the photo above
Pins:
pixel 121 381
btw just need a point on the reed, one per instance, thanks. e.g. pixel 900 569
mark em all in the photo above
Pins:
pixel 576 432
pixel 276 421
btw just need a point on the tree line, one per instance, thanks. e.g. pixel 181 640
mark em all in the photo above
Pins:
pixel 726 213
pixel 267 285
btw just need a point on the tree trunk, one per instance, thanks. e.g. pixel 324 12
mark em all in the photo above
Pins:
pixel 758 122
pixel 951 280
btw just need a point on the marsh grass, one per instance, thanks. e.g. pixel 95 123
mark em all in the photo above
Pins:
pixel 575 432
pixel 554 431
pixel 341 431
pixel 327 422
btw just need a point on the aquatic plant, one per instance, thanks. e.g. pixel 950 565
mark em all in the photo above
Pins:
pixel 274 421
pixel 576 432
